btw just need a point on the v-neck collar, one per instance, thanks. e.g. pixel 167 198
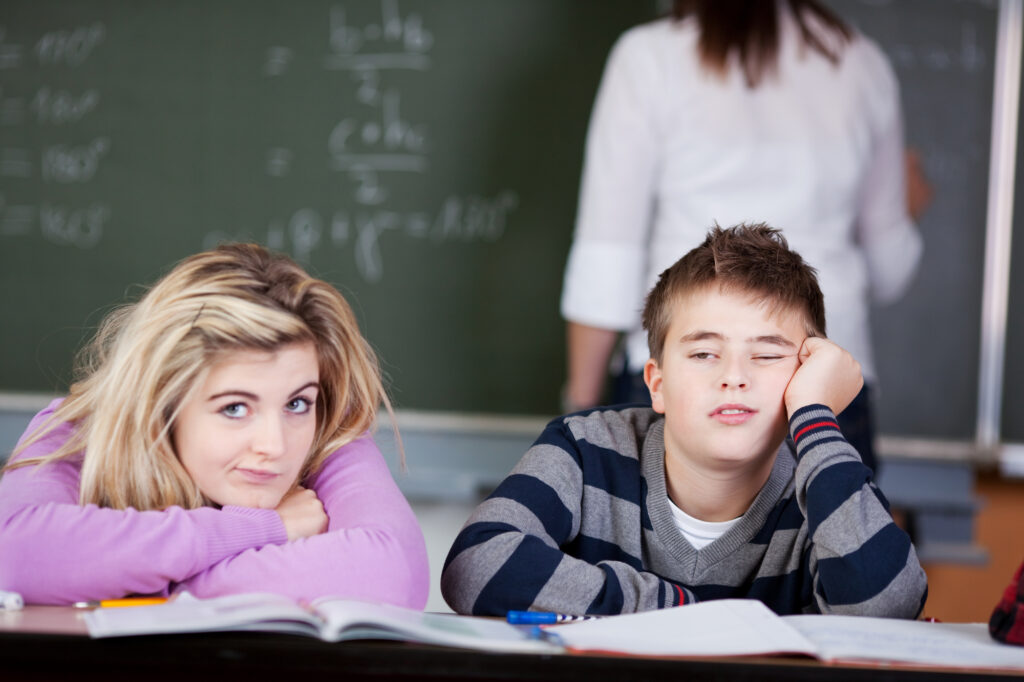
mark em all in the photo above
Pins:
pixel 692 561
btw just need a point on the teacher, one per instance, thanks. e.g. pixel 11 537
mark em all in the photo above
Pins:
pixel 734 111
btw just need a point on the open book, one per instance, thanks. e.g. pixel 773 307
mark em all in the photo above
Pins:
pixel 734 627
pixel 728 627
pixel 331 620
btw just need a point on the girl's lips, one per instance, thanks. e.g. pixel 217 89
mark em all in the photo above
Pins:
pixel 257 475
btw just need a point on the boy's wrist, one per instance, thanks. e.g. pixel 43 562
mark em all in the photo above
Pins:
pixel 810 420
pixel 796 404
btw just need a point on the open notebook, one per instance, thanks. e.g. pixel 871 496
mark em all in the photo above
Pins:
pixel 331 620
pixel 733 627
pixel 728 627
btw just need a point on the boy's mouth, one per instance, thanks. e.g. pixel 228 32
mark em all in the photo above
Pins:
pixel 732 414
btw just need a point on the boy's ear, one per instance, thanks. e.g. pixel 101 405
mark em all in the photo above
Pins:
pixel 652 377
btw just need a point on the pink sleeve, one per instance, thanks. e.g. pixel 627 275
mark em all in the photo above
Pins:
pixel 55 551
pixel 373 548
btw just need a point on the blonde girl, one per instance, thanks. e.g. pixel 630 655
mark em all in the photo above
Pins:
pixel 215 442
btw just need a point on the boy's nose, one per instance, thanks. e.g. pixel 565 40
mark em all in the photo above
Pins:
pixel 734 375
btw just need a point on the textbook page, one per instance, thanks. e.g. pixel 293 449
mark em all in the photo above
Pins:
pixel 858 638
pixel 185 613
pixel 346 619
pixel 327 619
pixel 725 627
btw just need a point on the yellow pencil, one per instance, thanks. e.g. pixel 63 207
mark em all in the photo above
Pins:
pixel 116 603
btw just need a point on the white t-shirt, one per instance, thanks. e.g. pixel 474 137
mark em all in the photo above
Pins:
pixel 815 150
pixel 699 533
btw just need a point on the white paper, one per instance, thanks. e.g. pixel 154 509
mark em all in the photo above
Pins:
pixel 853 638
pixel 746 627
pixel 726 627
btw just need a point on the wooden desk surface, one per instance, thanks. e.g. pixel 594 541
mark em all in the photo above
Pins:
pixel 52 643
pixel 53 620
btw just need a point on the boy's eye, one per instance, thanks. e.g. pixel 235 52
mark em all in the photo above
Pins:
pixel 702 355
pixel 298 405
pixel 235 410
pixel 767 357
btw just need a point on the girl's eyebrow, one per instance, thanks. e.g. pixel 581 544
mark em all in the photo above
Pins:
pixel 233 392
pixel 310 384
pixel 253 397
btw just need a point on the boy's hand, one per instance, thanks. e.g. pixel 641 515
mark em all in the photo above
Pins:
pixel 827 375
pixel 302 513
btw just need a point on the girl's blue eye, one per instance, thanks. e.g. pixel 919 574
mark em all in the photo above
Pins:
pixel 235 410
pixel 298 406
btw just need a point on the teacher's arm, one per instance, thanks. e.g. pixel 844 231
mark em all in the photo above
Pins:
pixel 605 274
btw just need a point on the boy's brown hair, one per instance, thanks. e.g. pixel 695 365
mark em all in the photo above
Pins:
pixel 753 259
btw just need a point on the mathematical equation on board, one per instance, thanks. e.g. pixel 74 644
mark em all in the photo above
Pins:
pixel 946 56
pixel 373 142
pixel 465 219
pixel 59 141
pixel 50 112
pixel 60 166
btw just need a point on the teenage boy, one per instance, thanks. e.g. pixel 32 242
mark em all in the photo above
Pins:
pixel 624 509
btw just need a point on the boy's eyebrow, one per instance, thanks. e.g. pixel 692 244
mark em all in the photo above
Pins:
pixel 703 335
pixel 774 339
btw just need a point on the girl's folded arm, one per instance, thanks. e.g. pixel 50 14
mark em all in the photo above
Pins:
pixel 372 550
pixel 56 551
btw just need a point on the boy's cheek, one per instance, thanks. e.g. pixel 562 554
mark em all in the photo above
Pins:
pixel 787 379
pixel 789 370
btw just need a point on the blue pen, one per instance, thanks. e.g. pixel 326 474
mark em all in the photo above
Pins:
pixel 546 635
pixel 543 618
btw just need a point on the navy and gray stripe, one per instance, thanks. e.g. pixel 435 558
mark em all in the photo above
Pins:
pixel 582 525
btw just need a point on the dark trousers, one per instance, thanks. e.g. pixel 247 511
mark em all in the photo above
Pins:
pixel 856 421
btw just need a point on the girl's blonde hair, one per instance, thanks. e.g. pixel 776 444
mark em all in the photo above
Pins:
pixel 148 357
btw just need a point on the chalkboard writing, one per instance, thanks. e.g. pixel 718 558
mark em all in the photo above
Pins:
pixel 424 157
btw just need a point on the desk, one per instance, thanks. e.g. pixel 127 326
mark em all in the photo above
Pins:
pixel 51 643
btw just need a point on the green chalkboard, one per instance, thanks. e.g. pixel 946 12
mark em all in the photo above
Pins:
pixel 422 155
pixel 927 344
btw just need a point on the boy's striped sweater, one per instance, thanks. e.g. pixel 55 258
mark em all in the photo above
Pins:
pixel 582 525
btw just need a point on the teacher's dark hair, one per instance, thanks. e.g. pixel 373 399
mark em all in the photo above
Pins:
pixel 750 28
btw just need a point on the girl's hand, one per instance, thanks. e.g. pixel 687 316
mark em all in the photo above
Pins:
pixel 302 513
